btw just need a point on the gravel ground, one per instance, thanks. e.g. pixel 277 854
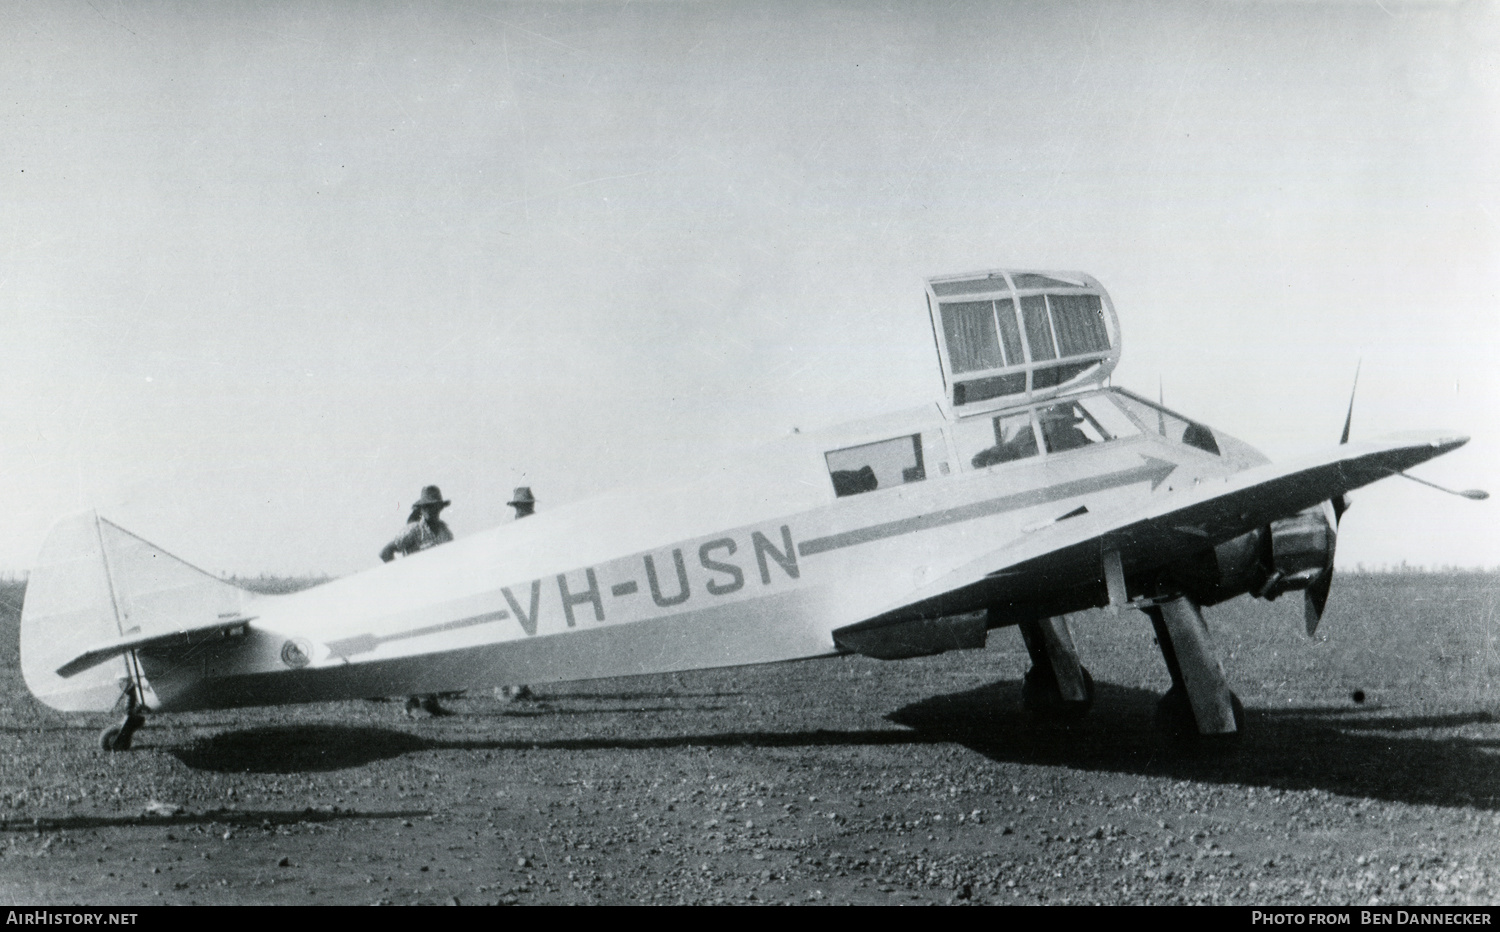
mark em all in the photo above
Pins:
pixel 838 781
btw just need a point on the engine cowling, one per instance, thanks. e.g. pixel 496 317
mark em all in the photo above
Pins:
pixel 1288 554
pixel 1300 551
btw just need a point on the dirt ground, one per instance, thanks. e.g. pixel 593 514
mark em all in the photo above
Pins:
pixel 837 781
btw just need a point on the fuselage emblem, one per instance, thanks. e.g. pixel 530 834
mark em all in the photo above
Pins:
pixel 296 653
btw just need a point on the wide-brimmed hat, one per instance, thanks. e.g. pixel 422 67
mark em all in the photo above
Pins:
pixel 430 496
pixel 522 497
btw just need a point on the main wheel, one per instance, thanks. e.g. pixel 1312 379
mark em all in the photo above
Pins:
pixel 1040 696
pixel 114 738
pixel 118 737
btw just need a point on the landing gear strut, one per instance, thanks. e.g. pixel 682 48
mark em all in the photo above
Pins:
pixel 1057 686
pixel 1200 702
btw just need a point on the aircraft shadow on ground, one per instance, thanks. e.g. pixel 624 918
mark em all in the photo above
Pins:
pixel 315 747
pixel 320 747
pixel 308 748
pixel 1290 749
pixel 1350 752
pixel 237 818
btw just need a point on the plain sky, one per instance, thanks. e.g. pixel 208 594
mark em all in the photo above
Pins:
pixel 266 269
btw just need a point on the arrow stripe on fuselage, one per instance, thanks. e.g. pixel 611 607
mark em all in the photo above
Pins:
pixel 1153 469
pixel 364 643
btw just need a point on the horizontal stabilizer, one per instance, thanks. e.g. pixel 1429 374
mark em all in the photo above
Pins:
pixel 188 637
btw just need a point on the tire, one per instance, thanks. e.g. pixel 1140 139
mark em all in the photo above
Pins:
pixel 114 738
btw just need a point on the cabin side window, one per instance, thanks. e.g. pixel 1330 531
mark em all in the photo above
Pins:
pixel 970 329
pixel 879 465
pixel 1082 422
pixel 1159 420
pixel 1113 422
pixel 982 335
pixel 992 441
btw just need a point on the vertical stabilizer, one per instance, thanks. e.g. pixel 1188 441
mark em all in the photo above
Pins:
pixel 68 608
pixel 94 582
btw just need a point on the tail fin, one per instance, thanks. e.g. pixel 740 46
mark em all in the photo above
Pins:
pixel 95 582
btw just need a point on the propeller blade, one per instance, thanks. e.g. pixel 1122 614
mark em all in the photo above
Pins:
pixel 1161 417
pixel 1340 503
pixel 1315 596
pixel 1315 599
pixel 1349 418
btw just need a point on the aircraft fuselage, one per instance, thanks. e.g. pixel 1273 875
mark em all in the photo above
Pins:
pixel 655 582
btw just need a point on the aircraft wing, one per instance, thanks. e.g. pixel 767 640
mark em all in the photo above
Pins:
pixel 185 637
pixel 1170 526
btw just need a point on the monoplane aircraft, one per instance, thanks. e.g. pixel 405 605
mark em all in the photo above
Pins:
pixel 1032 490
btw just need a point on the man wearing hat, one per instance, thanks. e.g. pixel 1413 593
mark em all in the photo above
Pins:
pixel 523 502
pixel 424 529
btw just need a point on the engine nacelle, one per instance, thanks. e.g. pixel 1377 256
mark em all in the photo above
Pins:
pixel 1292 553
pixel 1301 551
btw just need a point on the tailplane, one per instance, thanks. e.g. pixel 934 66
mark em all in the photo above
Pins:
pixel 95 582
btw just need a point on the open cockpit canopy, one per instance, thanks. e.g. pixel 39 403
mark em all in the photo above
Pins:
pixel 1011 337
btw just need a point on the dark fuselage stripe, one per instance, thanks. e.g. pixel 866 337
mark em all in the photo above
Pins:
pixel 365 643
pixel 487 617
